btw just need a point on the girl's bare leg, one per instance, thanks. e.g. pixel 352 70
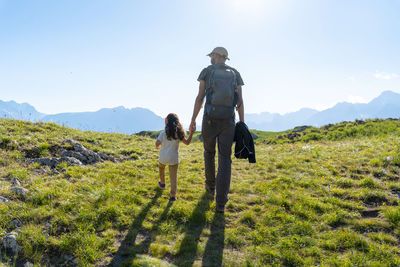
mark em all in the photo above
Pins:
pixel 173 173
pixel 161 168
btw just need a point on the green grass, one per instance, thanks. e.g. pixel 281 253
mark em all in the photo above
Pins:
pixel 335 132
pixel 329 200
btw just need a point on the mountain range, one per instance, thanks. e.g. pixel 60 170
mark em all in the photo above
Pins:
pixel 386 105
pixel 128 121
pixel 118 119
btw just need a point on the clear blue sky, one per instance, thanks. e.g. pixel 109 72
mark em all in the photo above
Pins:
pixel 73 55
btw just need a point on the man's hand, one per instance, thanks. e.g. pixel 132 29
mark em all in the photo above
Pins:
pixel 192 127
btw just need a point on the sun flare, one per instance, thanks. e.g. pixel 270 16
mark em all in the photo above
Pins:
pixel 254 9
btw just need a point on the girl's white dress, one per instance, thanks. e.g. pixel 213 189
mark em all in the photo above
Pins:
pixel 169 151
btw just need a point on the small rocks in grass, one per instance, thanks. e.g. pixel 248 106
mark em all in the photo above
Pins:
pixel 15 182
pixel 10 242
pixel 40 171
pixel 71 161
pixel 70 259
pixel 104 156
pixel 28 264
pixel 86 156
pixel 48 226
pixel 3 200
pixel 50 162
pixel 53 162
pixel 73 154
pixel 389 158
pixel 15 224
pixel 19 191
pixel 77 155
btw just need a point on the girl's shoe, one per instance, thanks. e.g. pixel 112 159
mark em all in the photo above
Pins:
pixel 162 186
pixel 171 199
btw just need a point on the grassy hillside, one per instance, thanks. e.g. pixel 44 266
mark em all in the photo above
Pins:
pixel 326 197
pixel 335 132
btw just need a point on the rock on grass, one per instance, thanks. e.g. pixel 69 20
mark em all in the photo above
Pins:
pixel 3 200
pixel 19 191
pixel 10 242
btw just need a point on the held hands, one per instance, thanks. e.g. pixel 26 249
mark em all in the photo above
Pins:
pixel 192 127
pixel 158 144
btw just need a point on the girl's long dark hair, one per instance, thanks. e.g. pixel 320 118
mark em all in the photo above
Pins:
pixel 173 128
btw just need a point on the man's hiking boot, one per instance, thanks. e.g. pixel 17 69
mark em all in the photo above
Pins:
pixel 210 193
pixel 220 208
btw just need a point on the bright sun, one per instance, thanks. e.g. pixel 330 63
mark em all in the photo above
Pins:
pixel 247 6
pixel 255 9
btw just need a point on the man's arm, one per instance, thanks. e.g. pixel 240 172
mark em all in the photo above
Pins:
pixel 198 104
pixel 240 105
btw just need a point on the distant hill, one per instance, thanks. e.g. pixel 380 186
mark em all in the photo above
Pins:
pixel 277 122
pixel 387 105
pixel 119 119
pixel 24 111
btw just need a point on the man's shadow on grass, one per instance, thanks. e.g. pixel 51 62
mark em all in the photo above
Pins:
pixel 188 249
pixel 187 253
pixel 215 245
pixel 127 249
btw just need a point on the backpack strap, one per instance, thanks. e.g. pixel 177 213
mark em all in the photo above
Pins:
pixel 234 85
pixel 209 89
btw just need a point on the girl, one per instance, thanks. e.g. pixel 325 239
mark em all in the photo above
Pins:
pixel 168 144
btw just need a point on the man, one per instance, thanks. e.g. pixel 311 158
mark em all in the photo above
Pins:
pixel 221 129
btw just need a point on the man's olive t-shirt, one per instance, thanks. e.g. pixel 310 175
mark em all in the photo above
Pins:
pixel 205 74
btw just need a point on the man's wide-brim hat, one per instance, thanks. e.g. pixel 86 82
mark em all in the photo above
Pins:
pixel 220 51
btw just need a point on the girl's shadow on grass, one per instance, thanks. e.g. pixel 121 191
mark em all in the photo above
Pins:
pixel 188 249
pixel 187 253
pixel 128 249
